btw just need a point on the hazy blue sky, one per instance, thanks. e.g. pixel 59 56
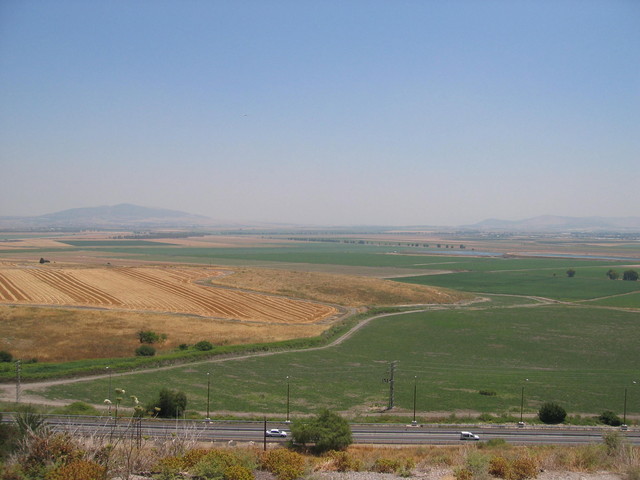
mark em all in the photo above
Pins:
pixel 326 112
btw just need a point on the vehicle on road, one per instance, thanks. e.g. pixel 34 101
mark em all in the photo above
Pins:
pixel 275 432
pixel 468 436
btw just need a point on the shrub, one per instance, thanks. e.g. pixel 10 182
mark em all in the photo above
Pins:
pixel 386 465
pixel 8 439
pixel 238 472
pixel 169 404
pixel 5 356
pixel 149 337
pixel 523 467
pixel 477 464
pixel 203 346
pixel 343 462
pixel 77 408
pixel 613 442
pixel 551 413
pixel 214 464
pixel 609 418
pixel 168 467
pixel 463 474
pixel 327 431
pixel 630 275
pixel 78 470
pixel 571 273
pixel 500 467
pixel 29 420
pixel 145 351
pixel 284 464
pixel 192 457
pixel 488 393
pixel 496 442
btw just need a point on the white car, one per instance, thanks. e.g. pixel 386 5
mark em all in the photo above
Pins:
pixel 275 432
pixel 468 436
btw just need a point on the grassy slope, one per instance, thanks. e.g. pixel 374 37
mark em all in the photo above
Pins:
pixel 453 354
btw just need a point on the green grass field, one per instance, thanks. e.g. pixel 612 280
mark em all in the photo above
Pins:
pixel 579 356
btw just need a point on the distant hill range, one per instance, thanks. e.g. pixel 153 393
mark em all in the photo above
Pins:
pixel 133 217
pixel 109 217
pixel 555 224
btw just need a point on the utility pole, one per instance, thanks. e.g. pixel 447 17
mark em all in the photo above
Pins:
pixel 391 385
pixel 18 372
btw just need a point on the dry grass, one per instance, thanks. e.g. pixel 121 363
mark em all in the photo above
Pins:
pixel 56 334
pixel 345 290
pixel 120 301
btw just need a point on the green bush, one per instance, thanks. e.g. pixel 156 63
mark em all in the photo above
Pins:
pixel 149 337
pixel 551 413
pixel 613 442
pixel 169 404
pixel 77 408
pixel 9 436
pixel 488 393
pixel 203 346
pixel 145 351
pixel 5 356
pixel 609 418
pixel 214 465
pixel 327 431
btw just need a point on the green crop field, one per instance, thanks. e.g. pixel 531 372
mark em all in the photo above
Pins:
pixel 579 356
pixel 532 282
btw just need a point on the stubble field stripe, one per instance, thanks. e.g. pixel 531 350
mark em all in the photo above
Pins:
pixel 80 292
pixel 202 302
pixel 13 293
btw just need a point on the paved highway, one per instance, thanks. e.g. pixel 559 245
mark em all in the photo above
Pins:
pixel 226 431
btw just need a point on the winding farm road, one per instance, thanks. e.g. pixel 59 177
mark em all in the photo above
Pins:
pixel 8 391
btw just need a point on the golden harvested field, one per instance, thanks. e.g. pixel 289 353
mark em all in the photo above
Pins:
pixel 347 290
pixel 99 309
pixel 162 289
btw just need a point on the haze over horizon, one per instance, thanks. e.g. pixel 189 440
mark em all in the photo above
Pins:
pixel 328 113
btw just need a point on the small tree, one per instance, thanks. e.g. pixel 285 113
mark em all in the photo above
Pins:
pixel 551 413
pixel 571 273
pixel 327 431
pixel 145 351
pixel 149 336
pixel 613 275
pixel 630 275
pixel 169 404
pixel 5 356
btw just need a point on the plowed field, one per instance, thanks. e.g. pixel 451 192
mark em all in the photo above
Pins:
pixel 150 289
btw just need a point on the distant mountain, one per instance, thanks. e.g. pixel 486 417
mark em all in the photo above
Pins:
pixel 552 223
pixel 107 217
